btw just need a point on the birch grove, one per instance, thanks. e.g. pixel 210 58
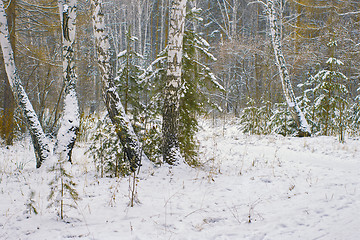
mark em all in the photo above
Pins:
pixel 171 150
pixel 125 132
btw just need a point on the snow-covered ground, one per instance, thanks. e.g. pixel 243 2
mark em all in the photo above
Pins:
pixel 250 187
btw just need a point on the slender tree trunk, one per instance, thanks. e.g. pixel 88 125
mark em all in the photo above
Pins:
pixel 162 25
pixel 70 120
pixel 171 149
pixel 39 140
pixel 297 114
pixel 8 123
pixel 125 131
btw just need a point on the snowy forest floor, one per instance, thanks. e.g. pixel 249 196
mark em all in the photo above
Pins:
pixel 249 187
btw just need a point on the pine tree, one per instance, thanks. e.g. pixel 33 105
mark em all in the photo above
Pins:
pixel 281 121
pixel 62 188
pixel 196 82
pixel 153 80
pixel 330 98
pixel 250 120
pixel 128 81
pixel 106 150
pixel 256 119
pixel 325 99
pixel 306 104
pixel 354 117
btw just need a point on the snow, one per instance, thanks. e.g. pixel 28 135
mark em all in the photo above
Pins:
pixel 334 61
pixel 69 122
pixel 249 187
pixel 65 8
pixel 122 53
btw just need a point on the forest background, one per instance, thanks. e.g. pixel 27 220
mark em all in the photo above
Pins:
pixel 235 74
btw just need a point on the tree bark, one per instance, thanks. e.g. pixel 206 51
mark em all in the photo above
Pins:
pixel 171 149
pixel 297 114
pixel 125 131
pixel 70 119
pixel 41 145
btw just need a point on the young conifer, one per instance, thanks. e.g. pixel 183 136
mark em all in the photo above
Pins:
pixel 62 187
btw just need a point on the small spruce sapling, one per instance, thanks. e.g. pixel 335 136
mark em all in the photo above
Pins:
pixel 62 188
pixel 153 80
pixel 255 119
pixel 328 93
pixel 281 121
pixel 128 81
pixel 106 150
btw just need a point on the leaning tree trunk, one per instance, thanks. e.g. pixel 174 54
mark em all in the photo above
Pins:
pixel 297 114
pixel 125 131
pixel 70 119
pixel 171 149
pixel 41 145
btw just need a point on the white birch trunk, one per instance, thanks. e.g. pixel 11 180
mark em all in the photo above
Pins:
pixel 125 131
pixel 171 149
pixel 40 142
pixel 70 119
pixel 297 114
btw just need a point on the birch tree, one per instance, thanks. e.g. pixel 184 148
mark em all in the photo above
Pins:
pixel 171 150
pixel 125 131
pixel 7 121
pixel 297 114
pixel 70 120
pixel 40 142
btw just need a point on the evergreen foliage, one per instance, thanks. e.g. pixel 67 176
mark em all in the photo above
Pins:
pixel 281 121
pixel 325 99
pixel 353 119
pixel 62 187
pixel 106 150
pixel 197 81
pixel 128 81
pixel 153 80
pixel 330 97
pixel 254 119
